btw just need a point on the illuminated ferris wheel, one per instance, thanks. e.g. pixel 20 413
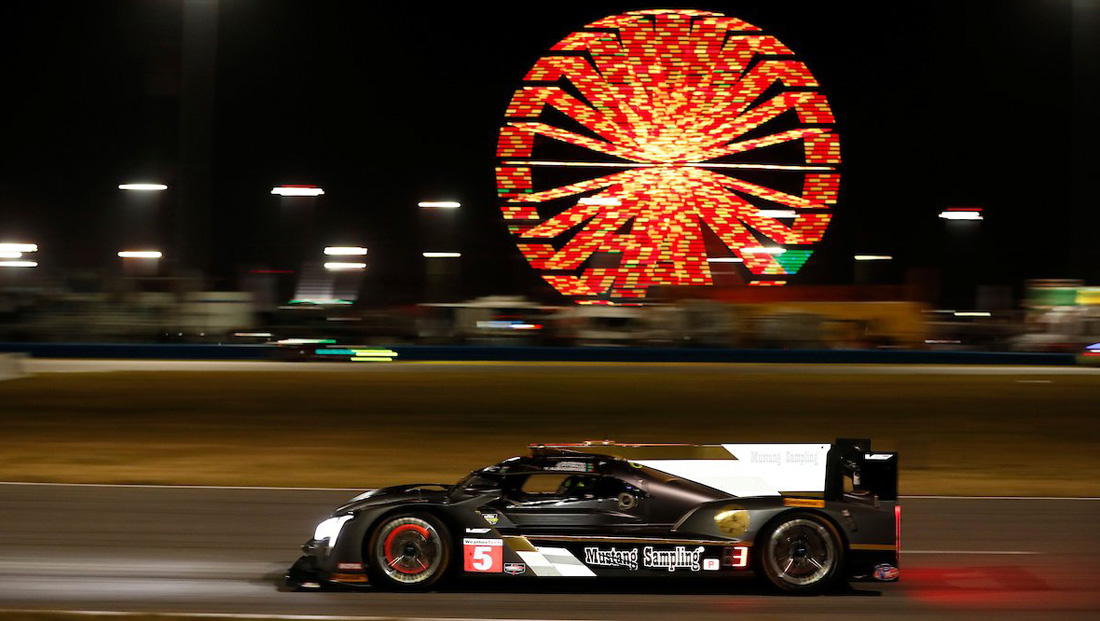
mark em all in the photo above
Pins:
pixel 650 146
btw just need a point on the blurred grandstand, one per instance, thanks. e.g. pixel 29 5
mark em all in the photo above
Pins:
pixel 1054 316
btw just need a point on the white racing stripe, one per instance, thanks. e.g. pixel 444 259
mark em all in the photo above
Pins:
pixel 208 615
pixel 564 563
pixel 136 567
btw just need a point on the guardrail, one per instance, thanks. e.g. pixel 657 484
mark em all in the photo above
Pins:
pixel 11 366
pixel 141 351
pixel 548 354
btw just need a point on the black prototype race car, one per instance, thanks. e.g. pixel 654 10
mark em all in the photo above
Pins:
pixel 803 516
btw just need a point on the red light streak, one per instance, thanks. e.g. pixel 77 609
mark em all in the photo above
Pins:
pixel 897 533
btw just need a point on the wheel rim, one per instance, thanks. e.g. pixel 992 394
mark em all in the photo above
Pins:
pixel 409 550
pixel 801 552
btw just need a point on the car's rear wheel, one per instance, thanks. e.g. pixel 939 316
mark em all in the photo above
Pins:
pixel 802 553
pixel 410 551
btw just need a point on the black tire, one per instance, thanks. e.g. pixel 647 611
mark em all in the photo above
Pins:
pixel 801 553
pixel 408 552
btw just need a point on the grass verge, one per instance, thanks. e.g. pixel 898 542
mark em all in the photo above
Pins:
pixel 957 434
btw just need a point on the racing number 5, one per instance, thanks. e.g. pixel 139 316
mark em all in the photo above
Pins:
pixel 483 555
pixel 483 560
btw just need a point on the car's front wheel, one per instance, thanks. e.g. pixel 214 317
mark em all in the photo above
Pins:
pixel 409 551
pixel 802 553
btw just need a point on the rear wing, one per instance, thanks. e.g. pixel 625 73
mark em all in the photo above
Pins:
pixel 854 467
pixel 805 470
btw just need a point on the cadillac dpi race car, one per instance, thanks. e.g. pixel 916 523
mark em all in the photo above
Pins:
pixel 802 516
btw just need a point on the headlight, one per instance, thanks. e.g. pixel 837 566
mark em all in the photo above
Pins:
pixel 330 529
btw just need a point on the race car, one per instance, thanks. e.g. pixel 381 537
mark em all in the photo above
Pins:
pixel 805 517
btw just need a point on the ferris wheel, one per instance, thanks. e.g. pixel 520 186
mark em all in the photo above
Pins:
pixel 648 147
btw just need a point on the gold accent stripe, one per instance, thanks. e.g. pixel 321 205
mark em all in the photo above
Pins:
pixel 872 546
pixel 803 502
pixel 519 544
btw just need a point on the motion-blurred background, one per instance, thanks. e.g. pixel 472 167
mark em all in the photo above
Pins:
pixel 982 106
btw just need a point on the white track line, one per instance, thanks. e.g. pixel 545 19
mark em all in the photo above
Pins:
pixel 225 487
pixel 207 615
pixel 999 498
pixel 972 552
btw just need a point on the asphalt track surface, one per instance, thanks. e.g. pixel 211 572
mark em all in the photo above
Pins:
pixel 223 550
pixel 92 366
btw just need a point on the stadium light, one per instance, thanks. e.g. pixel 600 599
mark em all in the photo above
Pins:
pixel 9 247
pixel 140 254
pixel 962 213
pixel 725 260
pixel 18 264
pixel 345 251
pixel 143 187
pixel 763 250
pixel 874 257
pixel 442 255
pixel 4 254
pixel 297 190
pixel 337 265
pixel 439 205
pixel 776 213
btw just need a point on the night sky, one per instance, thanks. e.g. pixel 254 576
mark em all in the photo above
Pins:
pixel 939 104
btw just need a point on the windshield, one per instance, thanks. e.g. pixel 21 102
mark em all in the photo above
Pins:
pixel 478 481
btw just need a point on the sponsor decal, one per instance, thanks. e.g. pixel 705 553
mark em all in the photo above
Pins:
pixel 777 458
pixel 886 572
pixel 733 520
pixel 477 531
pixel 571 466
pixel 349 566
pixel 678 558
pixel 483 555
pixel 491 518
pixel 710 564
pixel 514 569
pixel 803 502
pixel 612 558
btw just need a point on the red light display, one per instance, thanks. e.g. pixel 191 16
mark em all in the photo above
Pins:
pixel 638 134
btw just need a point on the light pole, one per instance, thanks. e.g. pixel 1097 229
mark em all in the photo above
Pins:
pixel 870 268
pixel 142 226
pixel 963 254
pixel 297 239
pixel 442 259
pixel 140 262
pixel 14 260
